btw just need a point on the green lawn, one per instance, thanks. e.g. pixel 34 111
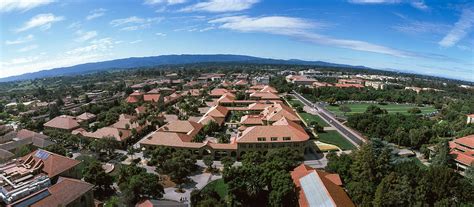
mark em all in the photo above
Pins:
pixel 219 186
pixel 295 101
pixel 308 118
pixel 333 137
pixel 391 108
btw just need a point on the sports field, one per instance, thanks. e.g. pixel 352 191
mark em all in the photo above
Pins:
pixel 391 108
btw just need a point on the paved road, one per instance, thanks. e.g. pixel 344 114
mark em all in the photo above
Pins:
pixel 353 137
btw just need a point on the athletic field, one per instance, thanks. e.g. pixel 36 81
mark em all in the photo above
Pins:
pixel 391 108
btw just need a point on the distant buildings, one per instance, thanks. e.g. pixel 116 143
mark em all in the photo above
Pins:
pixel 318 188
pixel 300 80
pixel 261 80
pixel 375 84
pixel 462 150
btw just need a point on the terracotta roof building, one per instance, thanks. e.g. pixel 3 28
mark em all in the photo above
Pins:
pixel 216 113
pixel 151 97
pixel 218 92
pixel 66 192
pixel 462 150
pixel 277 111
pixel 183 127
pixel 261 95
pixel 283 133
pixel 86 117
pixel 62 122
pixel 53 164
pixel 318 188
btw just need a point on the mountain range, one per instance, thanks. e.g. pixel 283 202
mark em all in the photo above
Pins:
pixel 135 62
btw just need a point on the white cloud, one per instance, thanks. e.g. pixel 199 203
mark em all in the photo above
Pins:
pixel 20 40
pixel 419 4
pixel 84 36
pixel 44 21
pixel 135 42
pixel 168 2
pixel 299 28
pixel 270 24
pixel 74 25
pixel 100 45
pixel 160 34
pixel 374 1
pixel 134 23
pixel 132 19
pixel 420 27
pixel 206 29
pixel 100 49
pixel 96 13
pixel 27 48
pixel 460 29
pixel 221 6
pixel 21 5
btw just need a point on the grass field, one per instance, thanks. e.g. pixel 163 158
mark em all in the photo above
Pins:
pixel 308 118
pixel 333 137
pixel 219 186
pixel 295 101
pixel 391 108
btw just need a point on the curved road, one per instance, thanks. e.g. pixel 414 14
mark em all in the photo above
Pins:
pixel 353 137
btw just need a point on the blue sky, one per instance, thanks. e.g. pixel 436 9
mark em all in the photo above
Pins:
pixel 426 37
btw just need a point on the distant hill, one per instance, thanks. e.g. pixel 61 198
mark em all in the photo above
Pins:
pixel 135 62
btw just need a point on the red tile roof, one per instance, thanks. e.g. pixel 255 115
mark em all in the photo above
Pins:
pixel 132 99
pixel 151 97
pixel 54 164
pixel 86 116
pixel 64 192
pixel 190 128
pixel 277 111
pixel 264 95
pixel 294 131
pixel 63 122
pixel 218 92
pixel 463 149
pixel 331 183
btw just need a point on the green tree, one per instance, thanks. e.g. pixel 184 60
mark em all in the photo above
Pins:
pixel 95 174
pixel 135 183
pixel 179 166
pixel 283 192
pixel 227 161
pixel 442 156
pixel 208 161
pixel 394 190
